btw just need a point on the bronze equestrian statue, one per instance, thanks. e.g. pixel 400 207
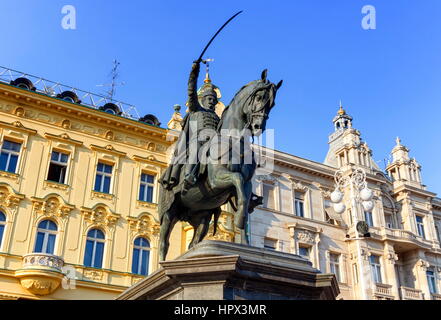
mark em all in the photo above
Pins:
pixel 196 193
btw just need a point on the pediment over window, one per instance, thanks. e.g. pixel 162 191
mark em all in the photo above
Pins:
pixel 100 215
pixel 144 224
pixel 8 197
pixel 52 205
pixel 305 233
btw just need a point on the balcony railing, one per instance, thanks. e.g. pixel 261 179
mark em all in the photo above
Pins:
pixel 43 260
pixel 406 235
pixel 436 296
pixel 383 290
pixel 411 294
pixel 41 273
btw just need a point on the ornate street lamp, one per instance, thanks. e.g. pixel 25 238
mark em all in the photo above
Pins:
pixel 359 192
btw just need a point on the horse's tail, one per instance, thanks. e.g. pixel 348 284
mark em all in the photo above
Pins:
pixel 166 200
pixel 216 216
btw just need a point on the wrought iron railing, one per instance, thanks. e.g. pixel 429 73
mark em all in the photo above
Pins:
pixel 51 89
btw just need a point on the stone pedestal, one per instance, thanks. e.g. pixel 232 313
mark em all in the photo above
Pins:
pixel 216 270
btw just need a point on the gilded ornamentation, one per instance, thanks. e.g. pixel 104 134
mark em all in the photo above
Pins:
pixel 19 111
pixel 222 234
pixel 41 286
pixel 109 135
pixel 145 224
pixel 54 185
pixel 51 207
pixel 100 216
pixel 151 146
pixel 147 204
pixel 95 275
pixel 9 198
pixel 17 124
pixel 9 175
pixel 101 195
pixel 66 124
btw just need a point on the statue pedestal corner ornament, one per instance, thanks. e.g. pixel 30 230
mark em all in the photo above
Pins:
pixel 217 270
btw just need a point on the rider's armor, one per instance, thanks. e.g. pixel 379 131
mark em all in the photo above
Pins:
pixel 206 121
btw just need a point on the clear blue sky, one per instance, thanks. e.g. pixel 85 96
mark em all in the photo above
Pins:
pixel 389 79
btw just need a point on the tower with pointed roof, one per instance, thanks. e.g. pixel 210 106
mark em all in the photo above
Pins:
pixel 346 147
pixel 403 168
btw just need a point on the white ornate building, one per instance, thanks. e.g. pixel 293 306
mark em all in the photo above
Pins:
pixel 401 259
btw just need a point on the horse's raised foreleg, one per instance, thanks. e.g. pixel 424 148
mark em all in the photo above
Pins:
pixel 168 222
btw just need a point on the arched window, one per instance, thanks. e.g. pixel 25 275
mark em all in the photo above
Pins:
pixel 2 226
pixel 93 256
pixel 46 234
pixel 141 253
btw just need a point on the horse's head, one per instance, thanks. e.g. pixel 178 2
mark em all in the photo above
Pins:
pixel 258 103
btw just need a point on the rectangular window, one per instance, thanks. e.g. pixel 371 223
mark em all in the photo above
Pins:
pixel 298 204
pixel 375 268
pixel 431 279
pixel 146 187
pixel 58 167
pixel 9 156
pixel 268 196
pixel 334 262
pixel 368 218
pixel 420 226
pixel 103 177
pixel 270 244
pixel 304 252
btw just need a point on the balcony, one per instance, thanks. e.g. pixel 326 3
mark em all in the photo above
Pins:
pixel 41 273
pixel 407 240
pixel 411 294
pixel 436 296
pixel 383 291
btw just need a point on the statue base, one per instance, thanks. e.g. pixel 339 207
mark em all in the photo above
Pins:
pixel 217 270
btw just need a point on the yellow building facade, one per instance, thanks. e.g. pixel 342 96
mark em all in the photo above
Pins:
pixel 70 189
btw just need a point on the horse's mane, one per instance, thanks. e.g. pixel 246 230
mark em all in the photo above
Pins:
pixel 247 91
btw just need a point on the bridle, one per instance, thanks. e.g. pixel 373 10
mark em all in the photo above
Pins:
pixel 261 111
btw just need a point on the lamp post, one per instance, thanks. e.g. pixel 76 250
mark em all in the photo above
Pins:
pixel 359 192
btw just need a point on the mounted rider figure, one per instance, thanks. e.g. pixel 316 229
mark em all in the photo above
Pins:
pixel 199 125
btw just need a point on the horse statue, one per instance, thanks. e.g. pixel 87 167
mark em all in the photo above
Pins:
pixel 222 181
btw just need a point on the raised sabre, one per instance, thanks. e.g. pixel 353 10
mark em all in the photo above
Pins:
pixel 220 29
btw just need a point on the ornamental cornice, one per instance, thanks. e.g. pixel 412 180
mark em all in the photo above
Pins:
pixel 83 113
pixel 17 125
pixel 150 159
pixel 64 137
pixel 108 149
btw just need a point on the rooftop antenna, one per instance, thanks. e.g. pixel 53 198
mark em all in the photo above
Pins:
pixel 114 74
